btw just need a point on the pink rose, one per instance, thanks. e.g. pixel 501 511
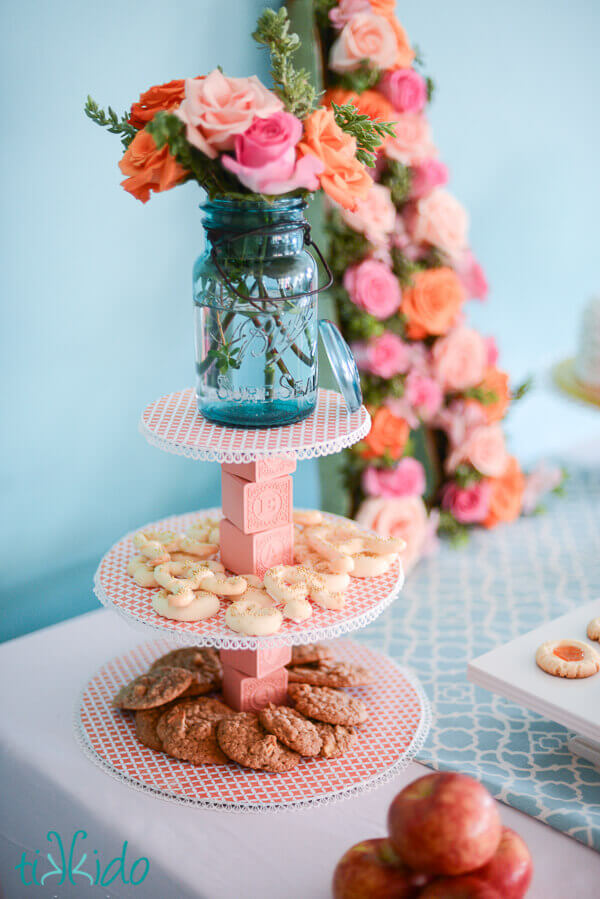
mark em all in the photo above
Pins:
pixel 440 221
pixel 405 89
pixel 404 517
pixel 374 288
pixel 265 157
pixel 216 108
pixel 472 276
pixel 341 14
pixel 412 143
pixel 460 359
pixel 484 448
pixel 383 356
pixel 364 37
pixel 469 505
pixel 460 418
pixel 423 393
pixel 406 479
pixel 426 176
pixel 543 479
pixel 375 216
pixel 492 351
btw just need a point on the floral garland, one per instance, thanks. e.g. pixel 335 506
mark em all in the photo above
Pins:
pixel 404 270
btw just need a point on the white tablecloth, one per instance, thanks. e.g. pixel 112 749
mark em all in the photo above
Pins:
pixel 48 784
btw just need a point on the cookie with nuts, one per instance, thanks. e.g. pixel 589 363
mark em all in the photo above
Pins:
pixel 328 705
pixel 155 688
pixel 244 740
pixel 188 731
pixel 292 729
pixel 204 665
pixel 330 673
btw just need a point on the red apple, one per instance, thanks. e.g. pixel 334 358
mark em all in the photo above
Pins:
pixel 465 887
pixel 444 823
pixel 510 870
pixel 372 870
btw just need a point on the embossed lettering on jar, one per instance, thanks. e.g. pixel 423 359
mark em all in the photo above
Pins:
pixel 255 320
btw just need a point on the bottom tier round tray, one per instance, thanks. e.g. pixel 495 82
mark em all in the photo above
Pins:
pixel 398 723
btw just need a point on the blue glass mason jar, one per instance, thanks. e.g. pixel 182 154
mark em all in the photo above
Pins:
pixel 255 306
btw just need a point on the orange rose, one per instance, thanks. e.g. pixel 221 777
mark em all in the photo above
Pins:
pixel 344 179
pixel 506 495
pixel 388 433
pixel 432 303
pixel 387 9
pixel 161 96
pixel 148 168
pixel 370 103
pixel 496 381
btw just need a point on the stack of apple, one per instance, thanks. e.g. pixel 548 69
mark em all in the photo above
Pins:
pixel 446 841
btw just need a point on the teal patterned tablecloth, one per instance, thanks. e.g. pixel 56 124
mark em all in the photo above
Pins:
pixel 461 603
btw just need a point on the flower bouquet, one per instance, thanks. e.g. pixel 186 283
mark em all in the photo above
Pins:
pixel 436 455
pixel 259 154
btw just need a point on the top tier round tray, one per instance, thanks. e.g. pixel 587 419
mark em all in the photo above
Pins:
pixel 173 424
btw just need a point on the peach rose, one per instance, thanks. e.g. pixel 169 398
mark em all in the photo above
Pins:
pixel 506 495
pixel 433 302
pixel 439 220
pixel 484 448
pixel 156 99
pixel 412 142
pixel 149 169
pixel 404 52
pixel 496 381
pixel 341 14
pixel 388 434
pixel 374 216
pixel 344 179
pixel 404 517
pixel 459 359
pixel 364 37
pixel 217 107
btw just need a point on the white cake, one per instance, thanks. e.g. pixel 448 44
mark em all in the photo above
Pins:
pixel 587 361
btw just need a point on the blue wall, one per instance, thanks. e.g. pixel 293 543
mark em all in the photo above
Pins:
pixel 96 286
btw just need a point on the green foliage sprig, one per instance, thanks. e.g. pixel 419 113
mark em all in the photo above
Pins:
pixel 403 267
pixel 364 78
pixel 397 177
pixel 292 86
pixel 522 389
pixel 369 134
pixel 465 476
pixel 111 121
pixel 451 528
pixel 346 247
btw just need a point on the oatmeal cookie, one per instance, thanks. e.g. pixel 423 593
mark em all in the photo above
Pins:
pixel 153 688
pixel 336 740
pixel 330 673
pixel 204 664
pixel 291 728
pixel 328 705
pixel 145 726
pixel 568 658
pixel 245 741
pixel 188 731
pixel 309 654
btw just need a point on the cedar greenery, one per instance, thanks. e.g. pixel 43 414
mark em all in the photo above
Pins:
pixel 292 86
pixel 398 178
pixel 111 121
pixel 369 134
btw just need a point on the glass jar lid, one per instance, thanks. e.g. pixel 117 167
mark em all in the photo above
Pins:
pixel 342 364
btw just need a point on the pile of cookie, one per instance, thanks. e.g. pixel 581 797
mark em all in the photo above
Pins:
pixel 192 582
pixel 175 714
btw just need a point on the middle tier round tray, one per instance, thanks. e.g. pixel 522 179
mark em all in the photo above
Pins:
pixel 366 598
pixel 398 723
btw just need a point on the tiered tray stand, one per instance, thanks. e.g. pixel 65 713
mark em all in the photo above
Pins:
pixel 399 711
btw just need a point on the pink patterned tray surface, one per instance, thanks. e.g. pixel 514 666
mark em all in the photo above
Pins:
pixel 174 424
pixel 114 587
pixel 396 727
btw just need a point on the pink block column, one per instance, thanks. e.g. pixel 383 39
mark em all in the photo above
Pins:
pixel 257 531
pixel 250 694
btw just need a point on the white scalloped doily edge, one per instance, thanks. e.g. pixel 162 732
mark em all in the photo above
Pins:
pixel 231 640
pixel 357 789
pixel 324 448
